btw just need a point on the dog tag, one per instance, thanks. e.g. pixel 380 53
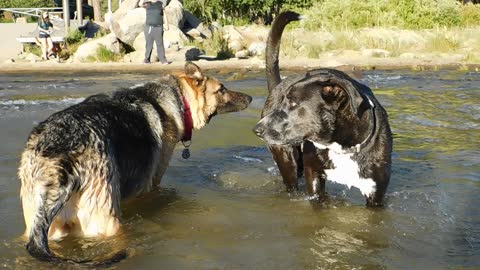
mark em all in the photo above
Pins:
pixel 185 153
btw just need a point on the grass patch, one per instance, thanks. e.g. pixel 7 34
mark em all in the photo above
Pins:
pixel 75 36
pixel 445 42
pixel 395 41
pixel 33 49
pixel 73 40
pixel 217 45
pixel 314 50
pixel 472 57
pixel 104 55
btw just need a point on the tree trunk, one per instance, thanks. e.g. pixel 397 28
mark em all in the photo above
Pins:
pixel 97 10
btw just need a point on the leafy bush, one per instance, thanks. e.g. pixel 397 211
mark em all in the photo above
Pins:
pixel 26 3
pixel 470 15
pixel 33 49
pixel 405 14
pixel 104 55
pixel 234 11
pixel 75 36
pixel 6 20
pixel 217 45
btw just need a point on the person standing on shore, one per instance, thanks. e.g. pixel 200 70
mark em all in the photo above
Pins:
pixel 44 32
pixel 154 27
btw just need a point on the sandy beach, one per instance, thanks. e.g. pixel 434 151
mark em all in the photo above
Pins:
pixel 358 63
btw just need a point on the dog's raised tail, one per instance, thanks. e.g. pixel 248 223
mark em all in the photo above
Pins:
pixel 273 46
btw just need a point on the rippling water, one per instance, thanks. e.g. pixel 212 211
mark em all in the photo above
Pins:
pixel 225 207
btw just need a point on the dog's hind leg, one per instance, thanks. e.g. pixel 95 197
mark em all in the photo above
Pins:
pixel 289 162
pixel 99 205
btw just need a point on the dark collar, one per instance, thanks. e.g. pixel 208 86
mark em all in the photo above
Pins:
pixel 374 128
pixel 187 117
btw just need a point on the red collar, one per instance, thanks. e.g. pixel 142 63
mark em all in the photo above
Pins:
pixel 187 133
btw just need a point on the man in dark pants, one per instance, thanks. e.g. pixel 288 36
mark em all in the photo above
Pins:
pixel 154 29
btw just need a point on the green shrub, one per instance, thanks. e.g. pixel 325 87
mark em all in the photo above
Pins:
pixel 405 14
pixel 241 11
pixel 102 32
pixel 75 36
pixel 26 3
pixel 104 55
pixel 33 49
pixel 470 15
pixel 6 20
pixel 217 45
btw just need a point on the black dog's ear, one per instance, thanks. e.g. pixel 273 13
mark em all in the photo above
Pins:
pixel 333 84
pixel 356 99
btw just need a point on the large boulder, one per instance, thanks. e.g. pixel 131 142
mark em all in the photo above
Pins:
pixel 234 38
pixel 257 48
pixel 90 48
pixel 173 36
pixel 125 7
pixel 174 14
pixel 193 22
pixel 128 26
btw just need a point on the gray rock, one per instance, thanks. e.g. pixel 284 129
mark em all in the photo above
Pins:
pixel 375 53
pixel 257 48
pixel 174 14
pixel 243 54
pixel 193 22
pixel 127 27
pixel 235 45
pixel 90 48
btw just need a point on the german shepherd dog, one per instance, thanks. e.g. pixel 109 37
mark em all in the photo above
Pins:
pixel 326 125
pixel 81 162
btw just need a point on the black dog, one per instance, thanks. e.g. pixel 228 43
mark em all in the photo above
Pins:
pixel 325 124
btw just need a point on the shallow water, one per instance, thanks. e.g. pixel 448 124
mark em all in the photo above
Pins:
pixel 225 207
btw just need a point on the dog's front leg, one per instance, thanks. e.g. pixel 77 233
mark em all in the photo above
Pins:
pixel 314 171
pixel 289 162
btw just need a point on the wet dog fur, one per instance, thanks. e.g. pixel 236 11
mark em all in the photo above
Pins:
pixel 325 125
pixel 81 162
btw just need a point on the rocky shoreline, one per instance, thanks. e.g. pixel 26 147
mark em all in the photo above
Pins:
pixel 371 48
pixel 343 63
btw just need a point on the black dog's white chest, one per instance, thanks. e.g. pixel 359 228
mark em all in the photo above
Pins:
pixel 345 169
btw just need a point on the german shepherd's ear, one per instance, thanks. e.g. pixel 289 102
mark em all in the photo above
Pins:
pixel 193 71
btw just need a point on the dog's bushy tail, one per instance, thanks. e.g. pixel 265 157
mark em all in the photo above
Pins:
pixel 51 196
pixel 273 46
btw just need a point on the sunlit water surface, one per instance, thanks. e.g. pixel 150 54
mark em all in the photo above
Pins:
pixel 225 207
